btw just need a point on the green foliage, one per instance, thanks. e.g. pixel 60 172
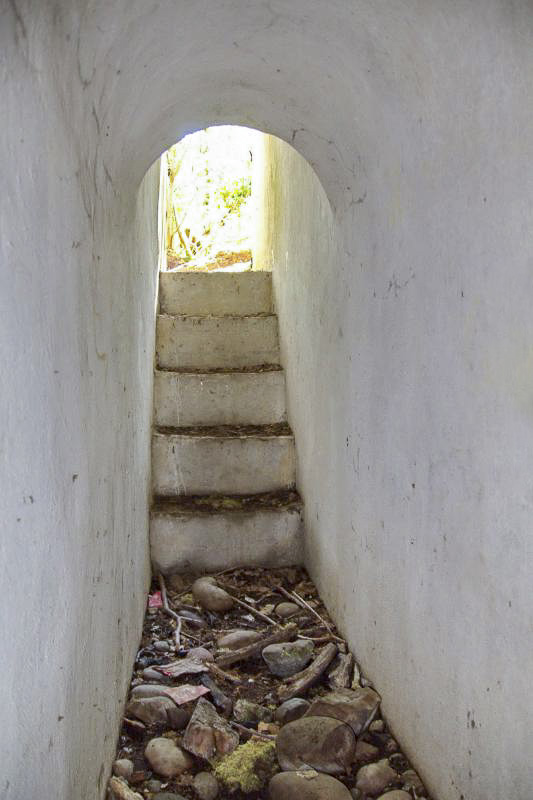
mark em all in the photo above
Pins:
pixel 235 195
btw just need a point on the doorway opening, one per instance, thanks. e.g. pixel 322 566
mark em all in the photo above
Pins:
pixel 212 199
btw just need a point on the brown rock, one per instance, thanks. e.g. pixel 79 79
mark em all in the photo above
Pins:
pixel 237 639
pixel 208 734
pixel 210 596
pixel 166 758
pixel 158 711
pixel 365 752
pixel 306 785
pixel 396 794
pixel 322 743
pixel 291 710
pixel 355 707
pixel 373 779
pixel 287 609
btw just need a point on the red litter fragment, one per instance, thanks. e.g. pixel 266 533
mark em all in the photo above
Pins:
pixel 185 693
pixel 155 600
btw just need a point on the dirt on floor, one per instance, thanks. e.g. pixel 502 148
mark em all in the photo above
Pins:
pixel 260 603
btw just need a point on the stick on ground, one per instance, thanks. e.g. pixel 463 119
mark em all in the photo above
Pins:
pixel 305 679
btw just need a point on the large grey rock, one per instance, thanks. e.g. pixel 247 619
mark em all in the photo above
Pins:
pixel 166 758
pixel 158 711
pixel 291 710
pixel 306 785
pixel 206 786
pixel 247 712
pixel 355 707
pixel 288 658
pixel 237 639
pixel 210 596
pixel 373 779
pixel 207 734
pixel 322 743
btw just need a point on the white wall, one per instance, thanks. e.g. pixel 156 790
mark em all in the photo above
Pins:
pixel 76 353
pixel 417 117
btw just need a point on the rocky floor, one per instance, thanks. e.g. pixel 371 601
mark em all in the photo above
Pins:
pixel 243 688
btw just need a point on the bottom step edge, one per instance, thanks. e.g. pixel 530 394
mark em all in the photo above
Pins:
pixel 200 542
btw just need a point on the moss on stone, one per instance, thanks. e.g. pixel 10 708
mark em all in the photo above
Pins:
pixel 249 767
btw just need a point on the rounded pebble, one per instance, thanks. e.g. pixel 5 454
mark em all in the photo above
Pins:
pixel 210 596
pixel 123 768
pixel 206 786
pixel 166 758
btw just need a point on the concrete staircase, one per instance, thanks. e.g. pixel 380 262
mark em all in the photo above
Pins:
pixel 223 461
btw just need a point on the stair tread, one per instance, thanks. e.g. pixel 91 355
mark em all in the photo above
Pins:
pixel 256 369
pixel 279 429
pixel 211 504
pixel 254 315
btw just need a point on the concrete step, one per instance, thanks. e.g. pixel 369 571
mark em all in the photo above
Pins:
pixel 222 460
pixel 218 294
pixel 219 398
pixel 258 531
pixel 188 342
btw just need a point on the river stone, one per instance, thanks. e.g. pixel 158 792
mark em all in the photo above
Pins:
pixel 396 794
pixel 123 768
pixel 166 758
pixel 306 785
pixel 201 654
pixel 322 743
pixel 288 658
pixel 150 674
pixel 373 779
pixel 355 707
pixel 237 639
pixel 162 647
pixel 287 609
pixel 291 710
pixel 206 786
pixel 247 712
pixel 210 596
pixel 158 711
pixel 365 752
pixel 207 734
pixel 148 690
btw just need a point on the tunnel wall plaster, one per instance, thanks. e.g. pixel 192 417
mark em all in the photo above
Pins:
pixel 410 391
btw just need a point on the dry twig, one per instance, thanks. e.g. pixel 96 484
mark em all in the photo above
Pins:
pixel 168 611
pixel 301 602
pixel 303 680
